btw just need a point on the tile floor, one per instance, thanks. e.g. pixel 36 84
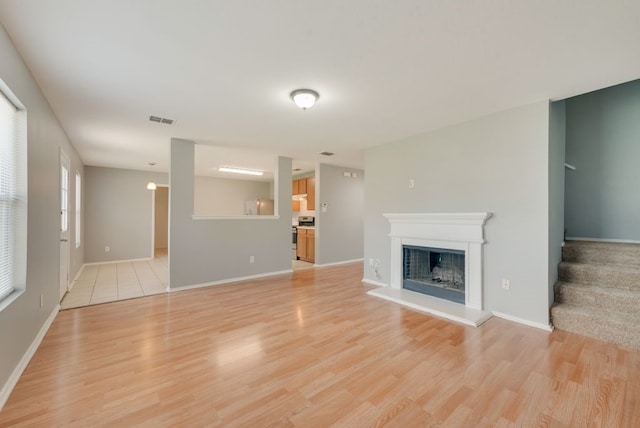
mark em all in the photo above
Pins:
pixel 109 282
pixel 299 265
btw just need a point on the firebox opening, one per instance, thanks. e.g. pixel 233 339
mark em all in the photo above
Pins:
pixel 437 272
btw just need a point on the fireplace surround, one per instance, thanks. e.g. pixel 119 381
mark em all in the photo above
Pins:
pixel 458 232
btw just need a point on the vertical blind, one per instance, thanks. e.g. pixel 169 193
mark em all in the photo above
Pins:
pixel 10 198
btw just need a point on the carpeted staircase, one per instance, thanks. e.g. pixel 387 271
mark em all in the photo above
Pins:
pixel 598 291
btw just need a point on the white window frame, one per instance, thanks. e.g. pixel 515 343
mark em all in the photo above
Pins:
pixel 64 199
pixel 78 208
pixel 13 197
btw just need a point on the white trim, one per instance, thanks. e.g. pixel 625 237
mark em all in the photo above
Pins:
pixel 545 327
pixel 235 217
pixel 372 282
pixel 153 223
pixel 455 231
pixel 227 281
pixel 613 241
pixel 144 259
pixel 339 263
pixel 433 306
pixel 6 390
pixel 471 219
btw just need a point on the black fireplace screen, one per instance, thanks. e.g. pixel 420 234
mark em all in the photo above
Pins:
pixel 437 272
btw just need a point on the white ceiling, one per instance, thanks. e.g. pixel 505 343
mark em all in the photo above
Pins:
pixel 385 70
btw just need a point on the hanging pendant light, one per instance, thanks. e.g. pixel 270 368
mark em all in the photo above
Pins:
pixel 151 185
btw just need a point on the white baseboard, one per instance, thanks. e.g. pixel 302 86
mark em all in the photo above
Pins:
pixel 144 259
pixel 227 281
pixel 24 361
pixel 372 282
pixel 545 327
pixel 339 263
pixel 613 241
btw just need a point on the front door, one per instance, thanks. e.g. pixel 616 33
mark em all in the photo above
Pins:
pixel 64 223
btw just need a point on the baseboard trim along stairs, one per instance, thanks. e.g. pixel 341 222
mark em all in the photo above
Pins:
pixel 598 292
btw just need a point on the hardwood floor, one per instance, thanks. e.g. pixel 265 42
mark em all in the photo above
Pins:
pixel 311 349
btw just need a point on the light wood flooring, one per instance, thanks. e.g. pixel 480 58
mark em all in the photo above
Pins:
pixel 110 282
pixel 312 349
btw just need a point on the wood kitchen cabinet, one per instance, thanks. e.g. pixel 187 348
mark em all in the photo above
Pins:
pixel 305 186
pixel 306 249
pixel 295 205
pixel 302 186
pixel 311 193
pixel 302 244
pixel 311 246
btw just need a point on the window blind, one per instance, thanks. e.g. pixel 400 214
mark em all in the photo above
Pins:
pixel 9 195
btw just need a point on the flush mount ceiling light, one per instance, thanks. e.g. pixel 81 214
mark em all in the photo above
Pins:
pixel 239 170
pixel 304 98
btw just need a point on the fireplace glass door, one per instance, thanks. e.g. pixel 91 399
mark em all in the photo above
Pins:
pixel 437 272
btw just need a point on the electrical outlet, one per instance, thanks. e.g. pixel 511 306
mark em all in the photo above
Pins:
pixel 252 259
pixel 412 183
pixel 506 284
pixel 107 249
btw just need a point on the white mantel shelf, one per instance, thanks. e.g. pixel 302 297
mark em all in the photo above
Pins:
pixel 454 231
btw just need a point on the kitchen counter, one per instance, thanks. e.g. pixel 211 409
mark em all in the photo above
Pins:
pixel 306 227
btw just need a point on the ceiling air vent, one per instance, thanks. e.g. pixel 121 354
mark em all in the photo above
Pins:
pixel 327 153
pixel 159 119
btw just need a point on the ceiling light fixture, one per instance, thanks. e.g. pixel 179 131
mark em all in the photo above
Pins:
pixel 304 98
pixel 239 170
pixel 151 185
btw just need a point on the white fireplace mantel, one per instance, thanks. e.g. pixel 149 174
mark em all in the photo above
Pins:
pixel 456 231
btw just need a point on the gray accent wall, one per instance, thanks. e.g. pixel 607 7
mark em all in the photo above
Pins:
pixel 499 164
pixel 556 190
pixel 118 213
pixel 603 143
pixel 210 250
pixel 21 321
pixel 339 230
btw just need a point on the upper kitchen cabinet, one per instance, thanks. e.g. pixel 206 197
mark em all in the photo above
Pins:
pixel 311 193
pixel 306 186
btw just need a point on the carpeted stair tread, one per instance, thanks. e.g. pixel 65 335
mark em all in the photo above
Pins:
pixel 614 299
pixel 627 277
pixel 601 253
pixel 603 324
